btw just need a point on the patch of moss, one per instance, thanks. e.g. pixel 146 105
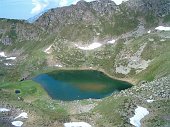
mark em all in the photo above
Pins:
pixel 124 23
pixel 166 19
pixel 151 20
pixel 109 110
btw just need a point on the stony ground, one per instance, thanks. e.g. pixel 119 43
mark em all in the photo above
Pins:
pixel 155 90
pixel 154 96
pixel 121 104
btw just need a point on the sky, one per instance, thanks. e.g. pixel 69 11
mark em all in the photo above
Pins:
pixel 25 9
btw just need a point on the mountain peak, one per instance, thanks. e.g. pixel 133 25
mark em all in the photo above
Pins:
pixel 81 3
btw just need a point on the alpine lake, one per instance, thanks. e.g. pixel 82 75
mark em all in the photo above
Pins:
pixel 70 85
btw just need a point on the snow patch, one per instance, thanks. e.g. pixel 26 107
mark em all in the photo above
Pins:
pixel 8 64
pixel 89 47
pixel 140 113
pixel 162 40
pixel 111 42
pixel 58 65
pixel 17 123
pixel 2 54
pixel 23 115
pixel 118 2
pixel 149 31
pixel 48 50
pixel 151 39
pixel 77 124
pixel 4 110
pixel 11 58
pixel 97 34
pixel 150 101
pixel 162 28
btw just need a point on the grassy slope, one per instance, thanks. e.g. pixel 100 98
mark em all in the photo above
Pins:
pixel 160 114
pixel 110 116
pixel 110 111
pixel 158 52
pixel 33 99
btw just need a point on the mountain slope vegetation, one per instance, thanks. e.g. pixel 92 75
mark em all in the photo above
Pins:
pixel 131 49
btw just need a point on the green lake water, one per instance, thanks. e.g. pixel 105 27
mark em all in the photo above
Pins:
pixel 69 85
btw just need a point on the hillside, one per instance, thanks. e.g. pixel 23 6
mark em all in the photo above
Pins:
pixel 125 41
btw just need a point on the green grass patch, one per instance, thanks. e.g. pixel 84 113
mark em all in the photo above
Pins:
pixel 151 20
pixel 53 110
pixel 109 109
pixel 124 23
pixel 27 88
pixel 160 115
pixel 166 19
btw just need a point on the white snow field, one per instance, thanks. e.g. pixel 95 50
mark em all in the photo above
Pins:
pixel 23 115
pixel 4 110
pixel 163 28
pixel 2 54
pixel 77 124
pixel 140 113
pixel 89 47
pixel 17 123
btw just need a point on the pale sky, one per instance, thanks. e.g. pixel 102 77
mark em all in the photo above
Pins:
pixel 24 9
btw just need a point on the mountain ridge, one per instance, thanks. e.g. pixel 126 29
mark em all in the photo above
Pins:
pixel 83 23
pixel 91 13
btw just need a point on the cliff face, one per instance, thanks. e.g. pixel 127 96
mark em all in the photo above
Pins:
pixel 12 31
pixel 83 12
pixel 91 13
pixel 157 7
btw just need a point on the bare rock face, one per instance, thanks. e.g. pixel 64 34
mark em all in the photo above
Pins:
pixel 96 12
pixel 88 18
pixel 157 7
pixel 6 41
pixel 84 12
pixel 1 31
